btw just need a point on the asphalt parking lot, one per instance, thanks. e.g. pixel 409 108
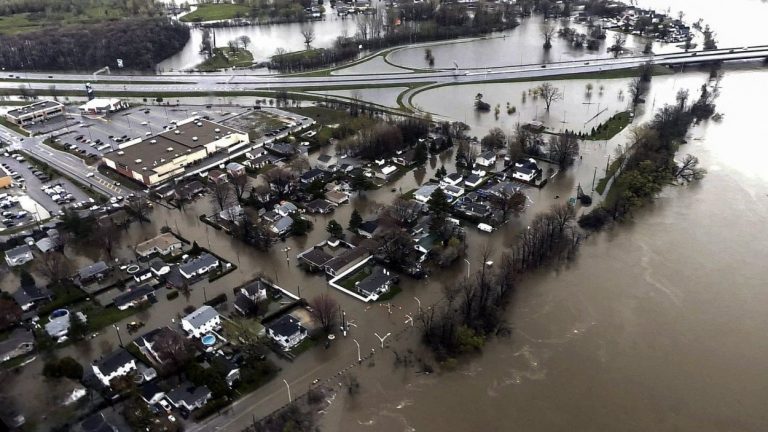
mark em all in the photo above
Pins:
pixel 33 187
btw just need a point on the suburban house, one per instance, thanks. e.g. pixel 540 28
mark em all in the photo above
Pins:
pixel 199 266
pixel 235 169
pixel 93 272
pixel 217 177
pixel 281 149
pixel 405 159
pixel 282 225
pixel 261 161
pixel 452 179
pixel 453 191
pixel 424 193
pixel 386 172
pixel 525 174
pixel 244 305
pixel 189 397
pixel 313 175
pixel 151 393
pixel 232 214
pixel 473 181
pixel 324 161
pixel 146 343
pixel 18 256
pixel 159 267
pixel 29 296
pixel 143 274
pixel 337 197
pixel 375 284
pixel 368 228
pixel 164 244
pixel 320 206
pixel 201 322
pixel 19 342
pixel 315 258
pixel 249 295
pixel 287 332
pixel 286 208
pixel 189 190
pixel 345 260
pixel 116 364
pixel 133 297
pixel 486 159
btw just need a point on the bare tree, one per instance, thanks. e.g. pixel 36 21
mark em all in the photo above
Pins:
pixel 240 184
pixel 563 149
pixel 636 90
pixel 10 313
pixel 139 206
pixel 244 41
pixel 549 94
pixel 509 202
pixel 280 180
pixel 689 169
pixel 363 28
pixel 173 349
pixel 324 308
pixel 54 265
pixel 403 212
pixel 619 40
pixel 308 32
pixel 300 164
pixel 547 31
pixel 221 195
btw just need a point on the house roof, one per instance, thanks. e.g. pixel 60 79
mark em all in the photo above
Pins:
pixel 317 256
pixel 114 361
pixel 488 155
pixel 346 257
pixel 204 260
pixel 281 148
pixel 524 170
pixel 473 179
pixel 254 287
pixel 286 326
pixel 18 252
pixel 378 278
pixel 162 241
pixel 44 244
pixel 234 166
pixel 216 174
pixel 368 226
pixel 156 264
pixel 150 390
pixel 454 177
pixel 426 190
pixel 30 293
pixel 324 158
pixel 191 188
pixel 132 295
pixel 319 205
pixel 243 303
pixel 283 223
pixel 312 174
pixel 93 269
pixel 201 316
pixel 286 207
pixel 188 393
pixel 454 190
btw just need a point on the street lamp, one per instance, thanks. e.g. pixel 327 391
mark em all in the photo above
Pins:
pixel 289 391
pixel 419 302
pixel 359 359
pixel 468 265
pixel 119 338
pixel 287 258
pixel 381 339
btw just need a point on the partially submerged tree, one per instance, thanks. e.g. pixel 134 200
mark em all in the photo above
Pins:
pixel 325 310
pixel 564 149
pixel 549 94
pixel 547 32
pixel 688 169
pixel 308 33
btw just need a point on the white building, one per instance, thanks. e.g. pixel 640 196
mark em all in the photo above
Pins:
pixel 201 322
pixel 103 106
pixel 454 179
pixel 199 266
pixel 164 244
pixel 35 112
pixel 19 255
pixel 424 193
pixel 287 332
pixel 486 159
pixel 116 364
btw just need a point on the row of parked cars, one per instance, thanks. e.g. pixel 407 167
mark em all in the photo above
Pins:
pixel 9 216
pixel 58 193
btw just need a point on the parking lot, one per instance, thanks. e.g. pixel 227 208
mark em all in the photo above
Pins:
pixel 45 196
pixel 94 136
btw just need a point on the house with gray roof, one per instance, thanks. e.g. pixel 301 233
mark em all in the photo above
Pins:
pixel 201 322
pixel 133 297
pixel 189 397
pixel 93 272
pixel 29 296
pixel 19 255
pixel 375 284
pixel 282 225
pixel 199 266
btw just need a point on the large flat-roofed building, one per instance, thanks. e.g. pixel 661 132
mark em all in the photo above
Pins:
pixel 38 111
pixel 161 157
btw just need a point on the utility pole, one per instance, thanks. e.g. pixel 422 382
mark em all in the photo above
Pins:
pixel 594 176
pixel 117 329
pixel 290 400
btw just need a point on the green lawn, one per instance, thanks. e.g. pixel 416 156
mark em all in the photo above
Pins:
pixel 224 58
pixel 350 281
pixel 611 171
pixel 93 11
pixel 611 127
pixel 213 12
pixel 13 127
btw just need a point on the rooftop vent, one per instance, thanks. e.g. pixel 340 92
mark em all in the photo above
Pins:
pixel 138 161
pixel 169 149
pixel 177 132
pixel 153 142
pixel 143 168
pixel 217 130
pixel 194 138
pixel 120 153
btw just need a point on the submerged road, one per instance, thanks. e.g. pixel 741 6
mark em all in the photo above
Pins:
pixel 198 82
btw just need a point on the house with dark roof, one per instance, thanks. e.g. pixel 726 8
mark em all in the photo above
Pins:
pixel 29 296
pixel 453 192
pixel 486 159
pixel 159 267
pixel 143 275
pixel 320 206
pixel 18 256
pixel 189 190
pixel 97 423
pixel 368 228
pixel 134 297
pixel 201 322
pixel 473 181
pixel 405 159
pixel 19 342
pixel 286 331
pixel 248 296
pixel 244 305
pixel 375 284
pixel 452 179
pixel 345 260
pixel 151 393
pixel 188 396
pixel 227 367
pixel 217 177
pixel 324 161
pixel 281 149
pixel 93 272
pixel 311 176
pixel 315 258
pixel 115 364
pixel 199 266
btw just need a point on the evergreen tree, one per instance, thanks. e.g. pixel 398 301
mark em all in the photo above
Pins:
pixel 335 229
pixel 355 220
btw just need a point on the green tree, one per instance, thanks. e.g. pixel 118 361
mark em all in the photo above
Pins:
pixel 26 278
pixel 335 229
pixel 300 225
pixel 421 154
pixel 438 208
pixel 355 220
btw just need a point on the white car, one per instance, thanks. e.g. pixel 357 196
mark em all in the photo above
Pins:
pixel 166 406
pixel 484 227
pixel 89 175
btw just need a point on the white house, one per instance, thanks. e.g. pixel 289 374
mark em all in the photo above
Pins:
pixel 453 191
pixel 287 332
pixel 486 159
pixel 201 322
pixel 18 256
pixel 424 193
pixel 116 364
pixel 187 396
pixel 452 179
pixel 199 266
pixel 164 244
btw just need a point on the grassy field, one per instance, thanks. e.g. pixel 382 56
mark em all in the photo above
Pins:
pixel 611 172
pixel 95 12
pixel 610 128
pixel 213 12
pixel 13 127
pixel 224 58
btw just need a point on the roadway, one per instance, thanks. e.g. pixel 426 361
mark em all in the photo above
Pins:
pixel 199 82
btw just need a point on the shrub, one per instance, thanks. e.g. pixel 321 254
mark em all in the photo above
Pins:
pixel 595 220
pixel 66 367
pixel 172 295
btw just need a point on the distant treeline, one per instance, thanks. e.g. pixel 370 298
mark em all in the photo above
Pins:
pixel 76 7
pixel 452 21
pixel 141 43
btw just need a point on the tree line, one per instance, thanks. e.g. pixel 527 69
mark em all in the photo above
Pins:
pixel 140 42
pixel 50 8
